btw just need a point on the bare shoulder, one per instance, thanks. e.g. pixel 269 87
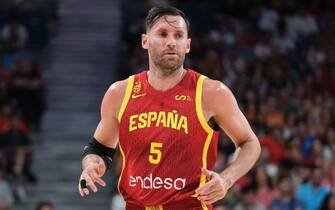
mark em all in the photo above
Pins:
pixel 217 98
pixel 213 88
pixel 118 88
pixel 114 95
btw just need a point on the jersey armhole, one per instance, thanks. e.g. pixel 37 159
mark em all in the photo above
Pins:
pixel 126 97
pixel 207 128
pixel 198 105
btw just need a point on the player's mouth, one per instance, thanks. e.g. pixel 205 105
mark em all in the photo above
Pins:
pixel 170 54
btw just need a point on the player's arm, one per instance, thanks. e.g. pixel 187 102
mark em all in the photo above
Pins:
pixel 98 154
pixel 219 103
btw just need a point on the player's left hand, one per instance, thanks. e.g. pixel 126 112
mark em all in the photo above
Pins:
pixel 213 190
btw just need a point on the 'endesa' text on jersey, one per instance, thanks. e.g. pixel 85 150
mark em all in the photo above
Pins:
pixel 158 119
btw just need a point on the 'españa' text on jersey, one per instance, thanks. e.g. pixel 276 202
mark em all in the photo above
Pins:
pixel 164 140
pixel 161 119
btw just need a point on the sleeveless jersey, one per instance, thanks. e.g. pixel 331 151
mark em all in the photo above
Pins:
pixel 164 140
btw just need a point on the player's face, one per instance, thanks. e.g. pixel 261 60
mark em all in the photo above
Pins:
pixel 167 43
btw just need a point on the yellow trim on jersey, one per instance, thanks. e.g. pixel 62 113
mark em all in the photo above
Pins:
pixel 126 97
pixel 198 105
pixel 207 128
pixel 204 165
pixel 123 164
pixel 203 205
pixel 123 107
pixel 159 207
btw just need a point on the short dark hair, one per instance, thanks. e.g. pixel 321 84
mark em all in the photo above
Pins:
pixel 42 204
pixel 156 12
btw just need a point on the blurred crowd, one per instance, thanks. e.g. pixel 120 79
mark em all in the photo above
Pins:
pixel 278 58
pixel 26 27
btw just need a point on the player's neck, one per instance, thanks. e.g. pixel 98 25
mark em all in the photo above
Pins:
pixel 162 82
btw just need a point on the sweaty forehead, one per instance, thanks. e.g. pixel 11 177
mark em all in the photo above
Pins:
pixel 169 21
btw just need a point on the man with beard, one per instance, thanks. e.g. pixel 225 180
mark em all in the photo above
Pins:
pixel 286 200
pixel 165 122
pixel 312 193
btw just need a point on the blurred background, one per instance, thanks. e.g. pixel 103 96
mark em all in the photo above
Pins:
pixel 58 57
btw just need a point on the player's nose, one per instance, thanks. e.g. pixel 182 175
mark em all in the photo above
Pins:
pixel 171 42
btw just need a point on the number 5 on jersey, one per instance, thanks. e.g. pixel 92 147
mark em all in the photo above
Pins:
pixel 155 152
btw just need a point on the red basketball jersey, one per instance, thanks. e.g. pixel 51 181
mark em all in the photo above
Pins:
pixel 164 140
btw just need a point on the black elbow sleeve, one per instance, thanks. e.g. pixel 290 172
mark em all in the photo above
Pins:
pixel 95 147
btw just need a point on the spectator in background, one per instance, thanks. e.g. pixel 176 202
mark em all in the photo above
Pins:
pixel 2 68
pixel 16 32
pixel 326 71
pixel 25 30
pixel 312 193
pixel 264 161
pixel 272 142
pixel 6 196
pixel 28 89
pixel 14 131
pixel 45 205
pixel 286 199
pixel 264 192
pixel 14 137
pixel 329 202
pixel 14 36
pixel 301 24
pixel 248 201
pixel 5 78
pixel 328 174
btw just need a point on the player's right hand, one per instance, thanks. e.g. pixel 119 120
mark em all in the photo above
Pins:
pixel 91 174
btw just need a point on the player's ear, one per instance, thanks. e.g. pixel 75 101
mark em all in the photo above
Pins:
pixel 144 41
pixel 188 46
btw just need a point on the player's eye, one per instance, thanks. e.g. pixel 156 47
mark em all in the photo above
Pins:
pixel 163 34
pixel 178 36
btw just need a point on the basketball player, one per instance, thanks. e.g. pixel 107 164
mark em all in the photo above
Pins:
pixel 163 120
